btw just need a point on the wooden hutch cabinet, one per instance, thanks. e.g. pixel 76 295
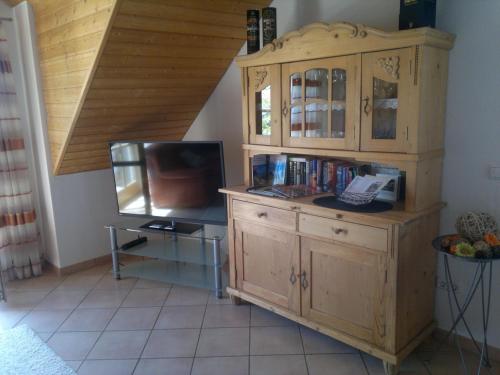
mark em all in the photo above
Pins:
pixel 356 94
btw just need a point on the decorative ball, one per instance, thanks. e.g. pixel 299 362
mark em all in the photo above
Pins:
pixel 474 225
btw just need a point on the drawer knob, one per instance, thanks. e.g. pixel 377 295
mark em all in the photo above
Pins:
pixel 294 208
pixel 262 214
pixel 339 216
pixel 339 230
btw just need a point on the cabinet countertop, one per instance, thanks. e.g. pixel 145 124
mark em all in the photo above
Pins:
pixel 305 205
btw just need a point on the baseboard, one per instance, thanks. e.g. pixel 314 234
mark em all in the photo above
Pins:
pixel 82 266
pixel 467 344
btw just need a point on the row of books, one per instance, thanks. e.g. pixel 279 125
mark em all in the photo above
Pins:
pixel 322 175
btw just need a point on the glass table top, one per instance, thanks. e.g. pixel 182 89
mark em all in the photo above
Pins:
pixel 206 231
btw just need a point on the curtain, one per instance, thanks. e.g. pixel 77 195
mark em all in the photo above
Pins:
pixel 19 235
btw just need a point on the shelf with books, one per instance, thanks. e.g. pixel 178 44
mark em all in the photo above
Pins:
pixel 417 192
pixel 287 175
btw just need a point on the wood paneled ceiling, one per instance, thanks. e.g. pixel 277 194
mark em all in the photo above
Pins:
pixel 130 69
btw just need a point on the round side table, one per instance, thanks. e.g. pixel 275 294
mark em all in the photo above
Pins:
pixel 480 283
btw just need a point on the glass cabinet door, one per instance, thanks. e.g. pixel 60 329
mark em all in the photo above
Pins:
pixel 264 96
pixel 319 103
pixel 384 102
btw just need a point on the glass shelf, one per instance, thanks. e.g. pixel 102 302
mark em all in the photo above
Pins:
pixel 193 259
pixel 191 250
pixel 134 225
pixel 173 273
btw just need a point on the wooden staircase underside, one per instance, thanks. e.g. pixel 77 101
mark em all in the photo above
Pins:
pixel 130 69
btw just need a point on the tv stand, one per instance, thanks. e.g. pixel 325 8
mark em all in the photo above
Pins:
pixel 190 255
pixel 172 226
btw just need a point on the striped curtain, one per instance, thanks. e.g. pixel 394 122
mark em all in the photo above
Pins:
pixel 19 235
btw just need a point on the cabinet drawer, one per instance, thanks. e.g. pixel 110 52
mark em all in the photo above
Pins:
pixel 264 214
pixel 351 233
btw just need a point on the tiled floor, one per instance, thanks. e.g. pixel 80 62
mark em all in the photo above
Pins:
pixel 103 326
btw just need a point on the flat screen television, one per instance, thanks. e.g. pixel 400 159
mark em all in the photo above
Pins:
pixel 170 181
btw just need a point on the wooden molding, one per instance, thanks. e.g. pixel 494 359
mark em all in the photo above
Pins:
pixel 319 40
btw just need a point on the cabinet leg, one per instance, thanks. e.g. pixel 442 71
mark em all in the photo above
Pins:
pixel 235 300
pixel 390 369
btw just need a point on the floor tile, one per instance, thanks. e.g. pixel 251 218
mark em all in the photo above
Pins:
pixel 213 300
pixel 119 345
pixel 278 365
pixel 181 295
pixel 45 320
pixel 74 364
pixel 9 318
pixel 107 367
pixel 22 300
pixel 445 363
pixel 134 318
pixel 151 284
pixel 226 316
pixel 146 297
pixel 109 282
pixel 45 282
pixel 44 336
pixel 80 280
pixel 164 366
pixel 172 343
pixel 88 320
pixel 73 345
pixel 223 342
pixel 180 317
pixel 220 366
pixel 260 317
pixel 411 365
pixel 275 340
pixel 103 299
pixel 62 299
pixel 317 343
pixel 335 364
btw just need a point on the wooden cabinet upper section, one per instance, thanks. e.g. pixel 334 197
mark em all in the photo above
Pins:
pixel 348 87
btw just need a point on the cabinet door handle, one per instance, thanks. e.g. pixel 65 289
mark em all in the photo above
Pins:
pixel 339 230
pixel 262 214
pixel 367 107
pixel 293 278
pixel 284 110
pixel 303 280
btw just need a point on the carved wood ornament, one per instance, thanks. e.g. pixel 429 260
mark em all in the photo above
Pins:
pixel 260 76
pixel 390 65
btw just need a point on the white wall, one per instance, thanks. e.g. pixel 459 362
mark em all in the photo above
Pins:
pixel 472 125
pixel 472 135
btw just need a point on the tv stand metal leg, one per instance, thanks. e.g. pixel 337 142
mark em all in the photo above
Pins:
pixel 217 267
pixel 114 252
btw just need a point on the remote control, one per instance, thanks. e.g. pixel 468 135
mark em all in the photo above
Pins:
pixel 133 243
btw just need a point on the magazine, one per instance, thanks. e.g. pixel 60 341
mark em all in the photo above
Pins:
pixel 364 189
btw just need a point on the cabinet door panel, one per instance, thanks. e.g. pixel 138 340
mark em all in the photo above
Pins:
pixel 343 288
pixel 385 108
pixel 264 96
pixel 321 103
pixel 267 262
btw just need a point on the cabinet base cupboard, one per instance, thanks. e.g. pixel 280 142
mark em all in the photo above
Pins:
pixel 361 95
pixel 364 279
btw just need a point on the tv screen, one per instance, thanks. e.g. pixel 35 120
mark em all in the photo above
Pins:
pixel 172 180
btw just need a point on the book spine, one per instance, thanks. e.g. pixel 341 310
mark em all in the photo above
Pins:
pixel 326 176
pixel 338 187
pixel 332 177
pixel 314 180
pixel 307 176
